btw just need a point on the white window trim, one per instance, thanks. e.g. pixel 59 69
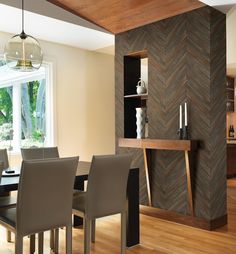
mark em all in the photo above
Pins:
pixel 51 101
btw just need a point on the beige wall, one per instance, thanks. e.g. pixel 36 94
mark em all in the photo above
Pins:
pixel 231 59
pixel 231 42
pixel 85 111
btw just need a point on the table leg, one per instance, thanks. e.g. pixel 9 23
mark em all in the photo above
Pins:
pixel 147 177
pixel 78 185
pixel 189 185
pixel 133 226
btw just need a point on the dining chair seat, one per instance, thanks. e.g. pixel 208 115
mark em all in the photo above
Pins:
pixel 76 192
pixel 79 201
pixel 7 202
pixel 9 216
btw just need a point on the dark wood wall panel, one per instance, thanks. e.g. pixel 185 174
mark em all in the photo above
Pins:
pixel 218 119
pixel 186 62
pixel 198 92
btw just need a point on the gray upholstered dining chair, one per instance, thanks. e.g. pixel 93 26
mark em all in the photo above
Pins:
pixel 4 159
pixel 105 195
pixel 35 153
pixel 5 201
pixel 40 209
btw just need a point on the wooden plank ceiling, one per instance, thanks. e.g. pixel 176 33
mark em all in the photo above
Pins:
pixel 118 16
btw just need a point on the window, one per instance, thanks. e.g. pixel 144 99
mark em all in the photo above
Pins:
pixel 26 108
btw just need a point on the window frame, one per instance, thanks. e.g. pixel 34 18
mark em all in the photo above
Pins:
pixel 50 101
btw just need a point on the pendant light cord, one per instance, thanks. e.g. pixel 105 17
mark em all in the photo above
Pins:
pixel 22 16
pixel 23 35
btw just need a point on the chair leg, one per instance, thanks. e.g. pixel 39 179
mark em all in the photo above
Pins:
pixel 56 241
pixel 93 230
pixel 52 239
pixel 32 244
pixel 40 243
pixel 123 232
pixel 8 236
pixel 87 235
pixel 18 244
pixel 69 239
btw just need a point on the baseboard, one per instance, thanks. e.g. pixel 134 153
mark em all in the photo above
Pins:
pixel 184 219
pixel 231 176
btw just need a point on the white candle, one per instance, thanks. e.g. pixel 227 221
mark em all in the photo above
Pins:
pixel 180 116
pixel 185 114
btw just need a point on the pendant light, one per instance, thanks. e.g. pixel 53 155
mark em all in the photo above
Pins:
pixel 23 52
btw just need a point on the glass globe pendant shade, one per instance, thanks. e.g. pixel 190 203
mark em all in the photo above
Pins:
pixel 23 53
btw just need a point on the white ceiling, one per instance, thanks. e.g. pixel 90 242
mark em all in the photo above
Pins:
pixel 48 22
pixel 222 5
pixel 53 29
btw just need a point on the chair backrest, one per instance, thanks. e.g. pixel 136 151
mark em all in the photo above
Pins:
pixel 45 193
pixel 107 185
pixel 4 159
pixel 35 153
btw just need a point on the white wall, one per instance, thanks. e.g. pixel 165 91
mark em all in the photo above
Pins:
pixel 85 100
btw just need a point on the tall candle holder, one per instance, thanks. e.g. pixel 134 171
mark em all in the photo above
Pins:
pixel 185 129
pixel 185 132
pixel 180 131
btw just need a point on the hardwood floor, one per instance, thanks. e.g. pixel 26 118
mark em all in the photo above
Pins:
pixel 157 236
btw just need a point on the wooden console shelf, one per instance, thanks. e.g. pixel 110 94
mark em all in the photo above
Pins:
pixel 164 144
pixel 161 144
pixel 140 96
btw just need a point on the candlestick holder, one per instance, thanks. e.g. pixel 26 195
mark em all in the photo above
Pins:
pixel 185 132
pixel 180 133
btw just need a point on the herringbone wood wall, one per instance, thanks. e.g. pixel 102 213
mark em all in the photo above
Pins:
pixel 186 61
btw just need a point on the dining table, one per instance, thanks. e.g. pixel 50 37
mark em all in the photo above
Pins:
pixel 10 180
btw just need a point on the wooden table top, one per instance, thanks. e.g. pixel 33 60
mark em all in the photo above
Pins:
pixel 82 170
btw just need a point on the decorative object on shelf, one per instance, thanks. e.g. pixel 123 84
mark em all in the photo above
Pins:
pixel 141 87
pixel 140 122
pixel 23 52
pixel 185 130
pixel 231 131
pixel 180 131
pixel 146 126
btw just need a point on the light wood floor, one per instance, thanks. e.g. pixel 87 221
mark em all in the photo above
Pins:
pixel 159 237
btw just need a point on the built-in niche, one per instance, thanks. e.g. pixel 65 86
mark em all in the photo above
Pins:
pixel 135 69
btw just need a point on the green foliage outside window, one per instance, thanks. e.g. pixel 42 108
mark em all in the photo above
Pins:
pixel 5 105
pixel 32 112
